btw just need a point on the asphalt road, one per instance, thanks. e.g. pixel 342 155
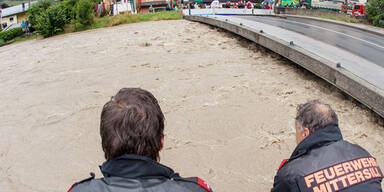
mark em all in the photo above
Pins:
pixel 366 45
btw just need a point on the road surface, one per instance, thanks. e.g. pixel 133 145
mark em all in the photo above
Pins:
pixel 364 44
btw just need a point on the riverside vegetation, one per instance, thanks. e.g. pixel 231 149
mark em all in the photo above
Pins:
pixel 375 12
pixel 67 16
pixel 77 15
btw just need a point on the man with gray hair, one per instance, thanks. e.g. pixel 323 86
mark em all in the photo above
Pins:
pixel 322 160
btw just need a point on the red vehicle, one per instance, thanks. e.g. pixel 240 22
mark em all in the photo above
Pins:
pixel 356 9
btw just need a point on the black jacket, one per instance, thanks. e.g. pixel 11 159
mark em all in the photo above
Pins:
pixel 325 162
pixel 130 173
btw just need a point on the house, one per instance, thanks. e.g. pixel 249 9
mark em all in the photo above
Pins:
pixel 124 6
pixel 136 6
pixel 158 5
pixel 14 15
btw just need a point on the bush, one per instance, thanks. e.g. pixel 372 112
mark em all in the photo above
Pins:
pixel 51 21
pixel 36 10
pixel 84 12
pixel 11 34
pixel 375 12
pixel 68 6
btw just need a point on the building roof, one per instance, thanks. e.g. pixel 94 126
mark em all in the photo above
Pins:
pixel 15 9
pixel 149 3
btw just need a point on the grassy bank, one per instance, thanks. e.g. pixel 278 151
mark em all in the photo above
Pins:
pixel 20 39
pixel 26 38
pixel 109 21
pixel 337 18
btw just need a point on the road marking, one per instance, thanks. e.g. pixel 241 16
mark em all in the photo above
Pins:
pixel 334 32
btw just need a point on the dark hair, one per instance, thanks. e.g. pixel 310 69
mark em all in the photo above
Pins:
pixel 315 115
pixel 132 123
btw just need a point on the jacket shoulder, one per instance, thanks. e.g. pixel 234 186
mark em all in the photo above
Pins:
pixel 326 155
pixel 82 185
pixel 194 183
pixel 354 149
pixel 285 179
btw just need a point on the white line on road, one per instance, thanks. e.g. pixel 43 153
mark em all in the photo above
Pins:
pixel 337 33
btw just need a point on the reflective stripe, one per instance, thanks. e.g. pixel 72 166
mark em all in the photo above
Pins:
pixel 203 184
pixel 282 164
pixel 71 188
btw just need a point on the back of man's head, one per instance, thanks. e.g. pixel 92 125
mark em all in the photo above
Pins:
pixel 132 123
pixel 314 115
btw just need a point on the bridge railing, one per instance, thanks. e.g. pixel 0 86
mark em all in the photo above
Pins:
pixel 224 11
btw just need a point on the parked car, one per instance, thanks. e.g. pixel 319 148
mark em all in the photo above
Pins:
pixel 12 26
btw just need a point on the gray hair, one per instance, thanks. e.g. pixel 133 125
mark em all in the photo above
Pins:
pixel 314 115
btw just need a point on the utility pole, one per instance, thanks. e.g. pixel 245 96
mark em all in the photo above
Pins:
pixel 133 6
pixel 344 8
pixel 117 7
pixel 1 19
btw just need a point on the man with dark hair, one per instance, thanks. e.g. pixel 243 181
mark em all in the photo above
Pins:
pixel 132 134
pixel 322 160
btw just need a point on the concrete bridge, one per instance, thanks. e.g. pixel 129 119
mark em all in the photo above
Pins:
pixel 349 56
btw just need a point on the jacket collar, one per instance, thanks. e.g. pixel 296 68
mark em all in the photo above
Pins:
pixel 329 133
pixel 135 166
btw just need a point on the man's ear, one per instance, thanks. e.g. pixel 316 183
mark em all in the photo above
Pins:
pixel 306 132
pixel 162 143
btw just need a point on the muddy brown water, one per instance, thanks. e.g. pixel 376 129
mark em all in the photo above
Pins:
pixel 229 104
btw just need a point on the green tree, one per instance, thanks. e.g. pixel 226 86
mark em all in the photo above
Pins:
pixel 375 12
pixel 84 12
pixel 69 6
pixel 36 10
pixel 51 21
pixel 4 5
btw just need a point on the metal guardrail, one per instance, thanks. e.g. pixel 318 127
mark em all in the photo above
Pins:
pixel 225 11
